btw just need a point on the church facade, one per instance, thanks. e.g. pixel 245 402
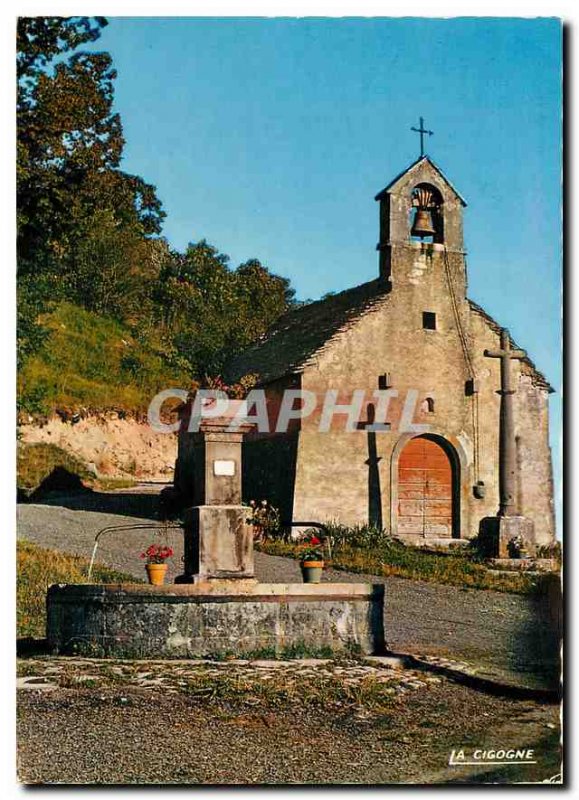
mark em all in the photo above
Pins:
pixel 413 343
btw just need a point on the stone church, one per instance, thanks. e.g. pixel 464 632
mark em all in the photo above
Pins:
pixel 430 471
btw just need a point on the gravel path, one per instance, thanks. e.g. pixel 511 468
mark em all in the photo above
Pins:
pixel 136 730
pixel 506 633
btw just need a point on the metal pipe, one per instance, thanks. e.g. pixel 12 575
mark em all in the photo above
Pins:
pixel 152 526
pixel 317 525
pixel 110 528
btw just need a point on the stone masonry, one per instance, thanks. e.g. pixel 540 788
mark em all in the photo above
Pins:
pixel 347 341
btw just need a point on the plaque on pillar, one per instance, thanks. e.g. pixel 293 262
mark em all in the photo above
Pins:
pixel 218 539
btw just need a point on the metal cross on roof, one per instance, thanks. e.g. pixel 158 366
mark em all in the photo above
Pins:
pixel 422 130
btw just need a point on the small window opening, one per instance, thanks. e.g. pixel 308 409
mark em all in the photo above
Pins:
pixel 427 405
pixel 385 381
pixel 429 320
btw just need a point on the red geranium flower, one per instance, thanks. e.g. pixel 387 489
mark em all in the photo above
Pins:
pixel 157 554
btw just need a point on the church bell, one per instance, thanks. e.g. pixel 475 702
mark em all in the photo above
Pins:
pixel 422 225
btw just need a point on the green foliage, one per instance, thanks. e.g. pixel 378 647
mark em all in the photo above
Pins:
pixel 114 268
pixel 366 537
pixel 40 39
pixel 32 300
pixel 552 550
pixel 368 550
pixel 90 362
pixel 208 312
pixel 35 462
pixel 37 570
pixel 265 520
pixel 311 549
pixel 88 236
pixel 82 222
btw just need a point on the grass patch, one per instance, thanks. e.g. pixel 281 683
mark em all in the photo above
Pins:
pixel 375 553
pixel 312 691
pixel 37 569
pixel 236 687
pixel 299 650
pixel 111 484
pixel 35 462
pixel 91 362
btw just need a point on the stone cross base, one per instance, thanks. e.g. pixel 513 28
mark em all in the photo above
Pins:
pixel 495 533
pixel 218 544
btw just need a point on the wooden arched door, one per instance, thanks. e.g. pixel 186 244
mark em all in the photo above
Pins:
pixel 425 489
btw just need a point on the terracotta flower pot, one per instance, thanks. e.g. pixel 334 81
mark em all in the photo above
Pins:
pixel 156 573
pixel 312 571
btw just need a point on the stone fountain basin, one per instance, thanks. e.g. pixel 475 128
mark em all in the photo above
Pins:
pixel 215 619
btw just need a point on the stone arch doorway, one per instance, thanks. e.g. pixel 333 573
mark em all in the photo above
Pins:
pixel 427 489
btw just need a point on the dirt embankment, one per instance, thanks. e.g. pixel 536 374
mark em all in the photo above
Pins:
pixel 110 446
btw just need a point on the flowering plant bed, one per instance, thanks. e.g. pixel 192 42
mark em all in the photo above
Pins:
pixel 265 520
pixel 372 551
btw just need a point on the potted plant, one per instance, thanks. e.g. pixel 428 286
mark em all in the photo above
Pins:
pixel 156 555
pixel 517 547
pixel 312 560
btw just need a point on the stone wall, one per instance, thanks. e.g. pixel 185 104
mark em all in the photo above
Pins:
pixel 332 479
pixel 133 621
pixel 332 471
pixel 269 460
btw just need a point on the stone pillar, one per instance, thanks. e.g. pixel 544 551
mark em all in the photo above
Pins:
pixel 496 532
pixel 218 540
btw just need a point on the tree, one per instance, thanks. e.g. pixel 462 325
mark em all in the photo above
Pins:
pixel 114 267
pixel 209 312
pixel 40 39
pixel 70 143
pixel 89 232
pixel 261 298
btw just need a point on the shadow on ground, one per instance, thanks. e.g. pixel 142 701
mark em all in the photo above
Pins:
pixel 143 506
pixel 63 488
pixel 29 647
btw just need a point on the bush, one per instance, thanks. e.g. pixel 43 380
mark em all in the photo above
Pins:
pixel 369 550
pixel 363 536
pixel 265 520
pixel 552 550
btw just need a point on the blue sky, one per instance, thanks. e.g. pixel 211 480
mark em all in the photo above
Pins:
pixel 270 138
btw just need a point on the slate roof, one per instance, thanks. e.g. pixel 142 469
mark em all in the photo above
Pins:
pixel 302 332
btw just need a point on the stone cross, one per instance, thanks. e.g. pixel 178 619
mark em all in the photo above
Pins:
pixel 507 444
